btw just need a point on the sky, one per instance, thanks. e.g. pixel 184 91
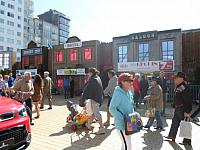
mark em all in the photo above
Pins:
pixel 104 19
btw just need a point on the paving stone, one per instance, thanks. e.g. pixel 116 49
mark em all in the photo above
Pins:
pixel 51 132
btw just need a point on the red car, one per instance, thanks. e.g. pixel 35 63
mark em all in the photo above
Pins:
pixel 15 130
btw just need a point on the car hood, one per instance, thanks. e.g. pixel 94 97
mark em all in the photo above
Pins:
pixel 8 105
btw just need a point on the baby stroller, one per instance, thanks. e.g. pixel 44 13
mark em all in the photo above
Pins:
pixel 76 119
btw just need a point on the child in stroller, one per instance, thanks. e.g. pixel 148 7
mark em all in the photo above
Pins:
pixel 76 119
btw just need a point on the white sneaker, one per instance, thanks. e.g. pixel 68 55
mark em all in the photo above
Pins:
pixel 101 131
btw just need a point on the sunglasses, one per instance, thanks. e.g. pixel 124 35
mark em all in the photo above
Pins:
pixel 129 81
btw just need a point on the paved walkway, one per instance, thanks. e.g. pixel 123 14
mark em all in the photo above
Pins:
pixel 51 133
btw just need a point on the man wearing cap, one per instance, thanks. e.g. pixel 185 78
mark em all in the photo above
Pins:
pixel 18 78
pixel 183 106
pixel 47 90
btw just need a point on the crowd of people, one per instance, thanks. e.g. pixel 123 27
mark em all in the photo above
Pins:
pixel 125 93
pixel 28 90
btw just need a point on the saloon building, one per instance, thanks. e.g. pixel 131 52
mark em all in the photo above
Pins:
pixel 147 52
pixel 75 57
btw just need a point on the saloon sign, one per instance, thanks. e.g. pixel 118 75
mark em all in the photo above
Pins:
pixel 144 35
pixel 148 66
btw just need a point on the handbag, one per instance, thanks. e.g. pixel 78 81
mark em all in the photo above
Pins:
pixel 133 123
pixel 185 129
pixel 150 112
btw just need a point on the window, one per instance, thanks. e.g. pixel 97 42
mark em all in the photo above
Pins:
pixel 19 25
pixel 143 52
pixel 10 49
pixel 18 33
pixel 1 20
pixel 26 61
pixel 19 17
pixel 123 53
pixel 73 55
pixel 19 9
pixel 1 30
pixel 19 42
pixel 11 32
pixel 168 50
pixel 1 59
pixel 59 83
pixel 59 56
pixel 25 20
pixel 62 39
pixel 10 23
pixel 63 33
pixel 11 41
pixel 11 6
pixel 2 12
pixel 88 53
pixel 1 48
pixel 20 1
pixel 19 50
pixel 38 60
pixel 10 14
pixel 2 3
pixel 1 39
pixel 6 60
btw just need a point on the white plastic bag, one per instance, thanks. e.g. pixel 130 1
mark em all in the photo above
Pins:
pixel 185 129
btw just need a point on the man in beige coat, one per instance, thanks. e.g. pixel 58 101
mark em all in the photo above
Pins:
pixel 47 90
pixel 24 89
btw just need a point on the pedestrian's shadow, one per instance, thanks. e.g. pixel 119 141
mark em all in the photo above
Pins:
pixel 196 123
pixel 86 136
pixel 175 146
pixel 150 142
pixel 65 129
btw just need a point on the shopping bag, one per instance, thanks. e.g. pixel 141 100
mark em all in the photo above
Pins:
pixel 150 112
pixel 133 123
pixel 185 129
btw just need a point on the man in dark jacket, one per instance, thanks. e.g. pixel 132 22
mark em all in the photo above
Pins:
pixel 93 94
pixel 183 106
pixel 162 81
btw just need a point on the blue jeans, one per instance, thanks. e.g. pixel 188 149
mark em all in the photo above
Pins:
pixel 158 120
pixel 66 92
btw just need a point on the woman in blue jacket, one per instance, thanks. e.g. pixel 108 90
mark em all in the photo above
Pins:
pixel 122 104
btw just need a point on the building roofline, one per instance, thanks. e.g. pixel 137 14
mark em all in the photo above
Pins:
pixel 191 30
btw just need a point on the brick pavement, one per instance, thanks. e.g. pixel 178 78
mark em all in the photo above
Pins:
pixel 51 133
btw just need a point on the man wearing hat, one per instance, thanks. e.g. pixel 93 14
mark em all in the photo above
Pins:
pixel 183 106
pixel 155 100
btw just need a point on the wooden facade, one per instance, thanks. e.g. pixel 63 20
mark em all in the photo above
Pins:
pixel 35 58
pixel 191 54
pixel 77 54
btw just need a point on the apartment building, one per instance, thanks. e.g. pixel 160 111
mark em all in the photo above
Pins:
pixel 45 34
pixel 59 19
pixel 14 20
